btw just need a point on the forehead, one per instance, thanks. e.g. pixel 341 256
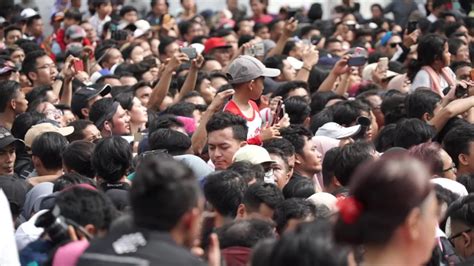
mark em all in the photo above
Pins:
pixel 44 59
pixel 395 38
pixel 221 136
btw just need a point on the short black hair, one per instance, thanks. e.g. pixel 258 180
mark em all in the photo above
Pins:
pixel 8 92
pixel 329 165
pixel 298 109
pixel 457 141
pixel 98 109
pixel 164 121
pixel 282 144
pixel 420 102
pixel 164 42
pixel 29 63
pixel 175 142
pixel 223 120
pixel 467 181
pixel 74 14
pixel 79 126
pixel 296 134
pixel 411 132
pixel 299 187
pixel 454 45
pixel 386 138
pixel 225 191
pixel 86 206
pixel 166 183
pixel 10 28
pixel 248 171
pixel 181 109
pixel 259 193
pixel 244 233
pixel 349 158
pixel 284 89
pixel 24 122
pixel 77 157
pixel 112 158
pixel 275 61
pixel 346 113
pixel 458 64
pixel 393 107
pixel 71 179
pixel 125 99
pixel 48 148
pixel 294 208
pixel 127 9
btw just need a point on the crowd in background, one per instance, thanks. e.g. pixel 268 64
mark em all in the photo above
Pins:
pixel 237 137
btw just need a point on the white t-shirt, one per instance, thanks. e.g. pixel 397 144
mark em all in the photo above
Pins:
pixel 422 79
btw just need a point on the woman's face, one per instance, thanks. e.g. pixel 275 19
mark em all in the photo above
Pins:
pixel 446 55
pixel 138 114
pixel 137 54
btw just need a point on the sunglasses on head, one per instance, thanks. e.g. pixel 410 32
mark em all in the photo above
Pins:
pixel 395 44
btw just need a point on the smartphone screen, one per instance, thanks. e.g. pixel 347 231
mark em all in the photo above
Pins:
pixel 190 52
pixel 412 26
pixel 78 65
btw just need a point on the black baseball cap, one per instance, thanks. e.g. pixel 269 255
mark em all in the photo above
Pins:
pixel 15 190
pixel 6 138
pixel 84 94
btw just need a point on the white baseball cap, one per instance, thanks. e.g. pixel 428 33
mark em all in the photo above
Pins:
pixel 336 131
pixel 252 153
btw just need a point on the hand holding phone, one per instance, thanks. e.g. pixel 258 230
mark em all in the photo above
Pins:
pixel 78 65
pixel 190 52
pixel 382 64
pixel 412 26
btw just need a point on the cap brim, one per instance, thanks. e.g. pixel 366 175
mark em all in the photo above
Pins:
pixel 10 141
pixel 348 132
pixel 105 90
pixel 66 131
pixel 295 63
pixel 271 72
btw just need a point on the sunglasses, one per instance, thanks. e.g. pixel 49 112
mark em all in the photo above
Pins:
pixel 395 44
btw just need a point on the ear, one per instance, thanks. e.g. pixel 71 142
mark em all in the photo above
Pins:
pixel 426 117
pixel 298 159
pixel 36 161
pixel 13 104
pixel 463 160
pixel 107 126
pixel 412 223
pixel 85 112
pixel 466 239
pixel 307 122
pixel 336 182
pixel 241 211
pixel 32 75
pixel 189 218
pixel 243 143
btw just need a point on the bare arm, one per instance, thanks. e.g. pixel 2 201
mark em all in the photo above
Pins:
pixel 310 58
pixel 340 68
pixel 453 109
pixel 199 138
pixel 161 89
pixel 290 27
pixel 190 82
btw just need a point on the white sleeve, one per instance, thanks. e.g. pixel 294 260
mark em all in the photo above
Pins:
pixel 8 250
pixel 422 79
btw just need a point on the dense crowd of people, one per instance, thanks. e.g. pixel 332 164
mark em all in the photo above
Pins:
pixel 237 137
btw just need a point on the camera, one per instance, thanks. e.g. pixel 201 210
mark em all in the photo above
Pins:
pixel 256 50
pixel 54 225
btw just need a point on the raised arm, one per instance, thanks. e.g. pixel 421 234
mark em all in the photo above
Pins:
pixel 162 87
pixel 190 82
pixel 290 27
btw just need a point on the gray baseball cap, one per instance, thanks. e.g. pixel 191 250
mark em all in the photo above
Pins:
pixel 246 68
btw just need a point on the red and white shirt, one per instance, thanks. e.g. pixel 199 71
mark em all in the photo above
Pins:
pixel 254 123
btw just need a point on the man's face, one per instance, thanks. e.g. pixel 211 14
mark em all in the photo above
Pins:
pixel 392 45
pixel 231 39
pixel 160 7
pixel 462 54
pixel 462 238
pixel 120 122
pixel 222 147
pixel 449 169
pixel 171 49
pixel 335 48
pixel 463 73
pixel 7 159
pixel 222 55
pixel 45 73
pixel 277 30
pixel 257 88
pixel 194 31
pixel 91 133
pixel 310 159
pixel 281 171
pixel 91 34
pixel 36 27
pixel 114 57
pixel 130 17
pixel 212 65
pixel 12 37
pixel 21 104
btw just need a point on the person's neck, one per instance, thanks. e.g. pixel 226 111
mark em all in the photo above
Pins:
pixel 304 173
pixel 463 171
pixel 241 99
pixel 188 13
pixel 438 69
pixel 6 119
pixel 101 16
pixel 136 127
pixel 388 255
pixel 43 171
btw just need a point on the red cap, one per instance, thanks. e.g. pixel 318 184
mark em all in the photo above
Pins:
pixel 215 42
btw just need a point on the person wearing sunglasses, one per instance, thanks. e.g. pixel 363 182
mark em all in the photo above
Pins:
pixel 462 234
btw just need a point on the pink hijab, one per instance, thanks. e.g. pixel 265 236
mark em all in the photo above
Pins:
pixel 323 144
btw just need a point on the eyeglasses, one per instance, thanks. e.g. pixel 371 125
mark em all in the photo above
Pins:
pixel 395 44
pixel 453 168
pixel 458 235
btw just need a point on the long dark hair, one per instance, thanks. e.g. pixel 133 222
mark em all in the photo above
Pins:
pixel 430 48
